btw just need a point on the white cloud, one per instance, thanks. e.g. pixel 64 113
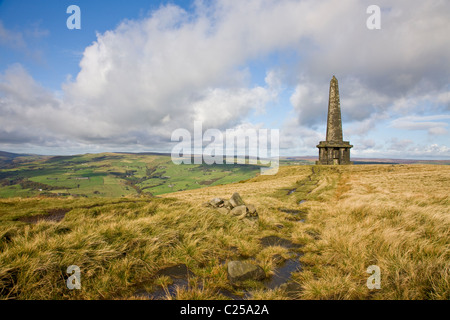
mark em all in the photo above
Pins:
pixel 176 65
pixel 148 77
pixel 423 123
pixel 11 38
pixel 404 149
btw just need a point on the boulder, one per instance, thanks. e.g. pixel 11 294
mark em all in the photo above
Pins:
pixel 235 206
pixel 227 204
pixel 251 211
pixel 241 271
pixel 251 208
pixel 216 202
pixel 223 210
pixel 249 216
pixel 236 200
pixel 239 211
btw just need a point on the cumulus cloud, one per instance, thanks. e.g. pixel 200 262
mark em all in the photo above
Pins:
pixel 179 66
pixel 147 77
pixel 394 71
pixel 26 107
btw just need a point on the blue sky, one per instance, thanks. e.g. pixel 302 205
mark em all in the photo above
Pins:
pixel 138 70
pixel 58 50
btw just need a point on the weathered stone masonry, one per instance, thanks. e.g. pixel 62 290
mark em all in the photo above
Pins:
pixel 334 150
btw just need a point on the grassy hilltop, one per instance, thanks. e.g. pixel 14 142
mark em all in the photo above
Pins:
pixel 330 222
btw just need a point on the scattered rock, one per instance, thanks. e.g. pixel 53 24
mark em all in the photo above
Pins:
pixel 251 209
pixel 236 200
pixel 227 204
pixel 239 211
pixel 216 202
pixel 235 206
pixel 223 210
pixel 241 271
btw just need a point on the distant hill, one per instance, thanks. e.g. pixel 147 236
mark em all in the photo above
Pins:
pixel 110 175
pixel 125 174
pixel 8 155
pixel 312 160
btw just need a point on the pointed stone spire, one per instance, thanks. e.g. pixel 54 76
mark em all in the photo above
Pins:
pixel 334 123
pixel 334 150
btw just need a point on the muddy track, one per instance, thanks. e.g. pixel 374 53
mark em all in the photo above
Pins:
pixel 306 185
pixel 285 268
pixel 299 194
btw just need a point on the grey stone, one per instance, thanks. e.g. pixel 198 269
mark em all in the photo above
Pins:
pixel 251 216
pixel 334 150
pixel 216 202
pixel 236 200
pixel 241 271
pixel 223 210
pixel 227 204
pixel 251 210
pixel 239 211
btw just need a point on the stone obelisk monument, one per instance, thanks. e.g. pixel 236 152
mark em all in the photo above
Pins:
pixel 334 150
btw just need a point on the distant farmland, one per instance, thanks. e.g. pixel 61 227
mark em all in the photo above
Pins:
pixel 111 175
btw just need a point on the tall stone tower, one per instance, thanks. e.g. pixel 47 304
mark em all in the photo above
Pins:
pixel 334 150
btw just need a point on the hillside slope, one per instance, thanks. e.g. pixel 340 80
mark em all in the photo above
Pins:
pixel 111 175
pixel 319 229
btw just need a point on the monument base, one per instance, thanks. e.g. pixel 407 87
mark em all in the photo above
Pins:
pixel 334 153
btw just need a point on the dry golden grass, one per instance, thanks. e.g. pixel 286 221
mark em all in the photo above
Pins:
pixel 252 190
pixel 395 217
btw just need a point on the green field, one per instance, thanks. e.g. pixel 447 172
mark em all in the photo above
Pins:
pixel 112 175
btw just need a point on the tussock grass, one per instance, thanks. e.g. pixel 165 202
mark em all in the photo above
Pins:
pixel 115 245
pixel 395 217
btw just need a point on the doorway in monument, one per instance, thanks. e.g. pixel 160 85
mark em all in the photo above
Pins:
pixel 336 156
